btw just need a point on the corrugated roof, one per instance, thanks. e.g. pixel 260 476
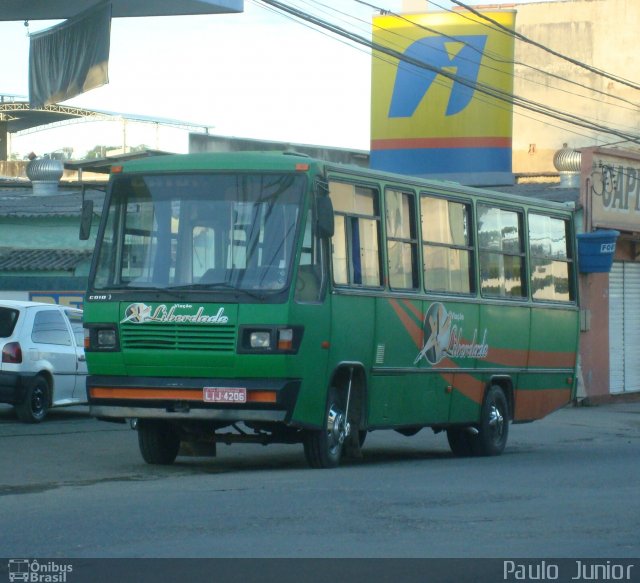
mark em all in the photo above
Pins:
pixel 545 191
pixel 12 259
pixel 20 202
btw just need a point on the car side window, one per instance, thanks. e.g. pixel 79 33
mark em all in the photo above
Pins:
pixel 8 319
pixel 49 327
pixel 75 319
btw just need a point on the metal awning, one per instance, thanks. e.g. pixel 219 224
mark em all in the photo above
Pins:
pixel 61 9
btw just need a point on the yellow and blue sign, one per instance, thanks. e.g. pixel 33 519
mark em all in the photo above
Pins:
pixel 428 117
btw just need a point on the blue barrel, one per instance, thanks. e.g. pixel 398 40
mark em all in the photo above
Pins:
pixel 596 251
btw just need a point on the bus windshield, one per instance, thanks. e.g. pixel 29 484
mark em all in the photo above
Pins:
pixel 200 231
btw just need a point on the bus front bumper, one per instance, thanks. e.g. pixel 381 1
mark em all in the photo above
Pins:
pixel 269 400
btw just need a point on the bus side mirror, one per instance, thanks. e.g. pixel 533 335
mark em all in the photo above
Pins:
pixel 86 218
pixel 325 217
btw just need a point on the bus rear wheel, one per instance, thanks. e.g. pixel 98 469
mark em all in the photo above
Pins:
pixel 489 437
pixel 493 429
pixel 159 442
pixel 323 448
pixel 460 441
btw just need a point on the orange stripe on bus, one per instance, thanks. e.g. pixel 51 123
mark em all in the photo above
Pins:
pixel 536 404
pixel 552 359
pixel 172 394
pixel 506 357
pixel 412 328
pixel 416 312
pixel 469 386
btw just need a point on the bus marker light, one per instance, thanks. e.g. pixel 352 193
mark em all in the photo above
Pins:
pixel 262 397
pixel 117 169
pixel 285 339
pixel 325 345
pixel 301 167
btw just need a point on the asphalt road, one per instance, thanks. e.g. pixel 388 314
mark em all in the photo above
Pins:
pixel 567 486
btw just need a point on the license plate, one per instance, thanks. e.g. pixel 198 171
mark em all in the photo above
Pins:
pixel 224 395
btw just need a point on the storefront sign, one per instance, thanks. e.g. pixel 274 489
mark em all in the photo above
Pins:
pixel 615 193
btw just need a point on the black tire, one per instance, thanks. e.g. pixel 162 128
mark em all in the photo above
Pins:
pixel 460 441
pixel 35 405
pixel 323 447
pixel 159 442
pixel 493 430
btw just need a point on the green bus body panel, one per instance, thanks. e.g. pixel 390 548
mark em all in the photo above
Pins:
pixel 182 349
pixel 218 359
pixel 385 336
pixel 311 364
pixel 476 344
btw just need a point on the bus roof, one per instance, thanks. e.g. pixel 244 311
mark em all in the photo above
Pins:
pixel 261 161
pixel 293 161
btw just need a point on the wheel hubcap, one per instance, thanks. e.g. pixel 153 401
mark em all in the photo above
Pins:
pixel 336 427
pixel 496 422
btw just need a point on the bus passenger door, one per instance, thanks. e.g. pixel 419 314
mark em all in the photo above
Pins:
pixel 311 309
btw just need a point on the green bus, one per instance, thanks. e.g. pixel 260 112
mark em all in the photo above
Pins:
pixel 275 298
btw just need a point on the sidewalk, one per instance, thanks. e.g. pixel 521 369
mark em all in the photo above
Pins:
pixel 621 416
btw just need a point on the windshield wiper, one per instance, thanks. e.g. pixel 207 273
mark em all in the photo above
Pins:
pixel 139 287
pixel 224 285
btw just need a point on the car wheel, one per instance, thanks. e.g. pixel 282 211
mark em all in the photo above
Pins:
pixel 33 408
pixel 159 442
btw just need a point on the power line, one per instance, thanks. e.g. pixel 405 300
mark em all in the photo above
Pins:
pixel 476 86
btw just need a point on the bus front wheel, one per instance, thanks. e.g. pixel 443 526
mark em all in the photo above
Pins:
pixel 159 442
pixel 323 448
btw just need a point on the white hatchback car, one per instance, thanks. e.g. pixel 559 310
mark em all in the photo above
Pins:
pixel 43 363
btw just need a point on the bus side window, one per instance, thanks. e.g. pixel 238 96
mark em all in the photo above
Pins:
pixel 402 243
pixel 356 241
pixel 501 251
pixel 447 250
pixel 551 264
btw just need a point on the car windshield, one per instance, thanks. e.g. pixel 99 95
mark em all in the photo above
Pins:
pixel 8 319
pixel 200 231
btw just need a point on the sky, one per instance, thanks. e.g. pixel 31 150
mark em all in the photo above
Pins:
pixel 257 74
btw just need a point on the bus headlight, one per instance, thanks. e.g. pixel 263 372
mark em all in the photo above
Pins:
pixel 269 339
pixel 106 339
pixel 101 338
pixel 260 339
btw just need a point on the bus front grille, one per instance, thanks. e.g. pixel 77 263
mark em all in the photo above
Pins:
pixel 178 337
